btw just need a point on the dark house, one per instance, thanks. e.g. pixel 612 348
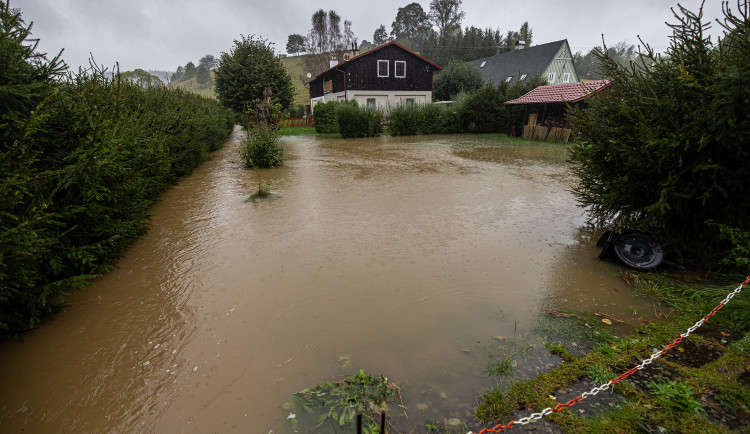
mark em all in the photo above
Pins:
pixel 387 75
pixel 552 61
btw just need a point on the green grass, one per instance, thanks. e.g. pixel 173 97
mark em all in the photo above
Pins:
pixel 297 131
pixel 671 407
pixel 192 86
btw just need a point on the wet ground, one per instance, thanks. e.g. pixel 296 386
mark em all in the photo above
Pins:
pixel 406 256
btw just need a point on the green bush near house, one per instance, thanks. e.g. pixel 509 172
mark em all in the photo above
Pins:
pixel 324 115
pixel 417 119
pixel 355 121
pixel 484 111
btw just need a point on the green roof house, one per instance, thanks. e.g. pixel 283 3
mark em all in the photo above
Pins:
pixel 552 61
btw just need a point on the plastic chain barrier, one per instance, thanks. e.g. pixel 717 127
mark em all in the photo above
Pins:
pixel 603 387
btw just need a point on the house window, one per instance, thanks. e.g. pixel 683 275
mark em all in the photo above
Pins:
pixel 383 70
pixel 510 77
pixel 409 102
pixel 551 77
pixel 483 63
pixel 371 103
pixel 400 69
pixel 566 77
pixel 523 77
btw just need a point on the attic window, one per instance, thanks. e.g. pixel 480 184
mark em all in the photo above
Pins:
pixel 510 77
pixel 551 77
pixel 483 63
pixel 566 77
pixel 523 77
pixel 399 69
pixel 383 70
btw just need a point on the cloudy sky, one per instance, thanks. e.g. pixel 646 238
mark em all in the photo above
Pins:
pixel 162 34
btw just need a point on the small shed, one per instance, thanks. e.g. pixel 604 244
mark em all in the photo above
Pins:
pixel 546 107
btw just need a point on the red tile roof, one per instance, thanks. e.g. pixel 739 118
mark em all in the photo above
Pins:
pixel 566 92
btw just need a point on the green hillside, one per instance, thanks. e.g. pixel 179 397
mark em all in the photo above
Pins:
pixel 296 67
pixel 191 85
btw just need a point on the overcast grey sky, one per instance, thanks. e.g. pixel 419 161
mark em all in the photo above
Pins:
pixel 163 34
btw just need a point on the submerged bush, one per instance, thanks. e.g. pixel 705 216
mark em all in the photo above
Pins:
pixel 261 147
pixel 355 121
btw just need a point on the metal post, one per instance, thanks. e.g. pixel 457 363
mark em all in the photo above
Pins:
pixel 382 423
pixel 359 422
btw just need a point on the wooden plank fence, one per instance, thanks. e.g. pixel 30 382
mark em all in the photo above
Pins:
pixel 298 122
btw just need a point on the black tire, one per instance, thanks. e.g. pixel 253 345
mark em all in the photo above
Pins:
pixel 639 251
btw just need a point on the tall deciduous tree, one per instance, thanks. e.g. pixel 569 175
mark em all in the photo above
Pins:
pixel 208 61
pixel 295 44
pixel 411 24
pixel 666 150
pixel 447 16
pixel 247 69
pixel 456 77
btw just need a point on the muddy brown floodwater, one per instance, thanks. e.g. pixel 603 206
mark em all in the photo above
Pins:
pixel 396 253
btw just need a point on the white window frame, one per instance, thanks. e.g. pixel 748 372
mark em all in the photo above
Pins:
pixel 483 63
pixel 395 68
pixel 387 68
pixel 372 106
pixel 551 77
pixel 510 77
pixel 523 77
pixel 566 77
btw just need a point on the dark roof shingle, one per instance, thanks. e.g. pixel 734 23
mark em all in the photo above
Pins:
pixel 531 61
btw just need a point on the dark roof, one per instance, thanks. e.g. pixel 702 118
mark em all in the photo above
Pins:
pixel 366 53
pixel 565 92
pixel 531 61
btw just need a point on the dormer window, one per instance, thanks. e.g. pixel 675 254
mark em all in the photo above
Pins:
pixel 483 63
pixel 399 69
pixel 523 77
pixel 510 77
pixel 383 68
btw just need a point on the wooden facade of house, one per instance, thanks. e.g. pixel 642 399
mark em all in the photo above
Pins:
pixel 384 76
pixel 552 61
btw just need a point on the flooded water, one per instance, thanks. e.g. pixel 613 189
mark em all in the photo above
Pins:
pixel 405 256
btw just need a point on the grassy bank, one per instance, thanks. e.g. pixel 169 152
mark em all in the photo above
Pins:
pixel 699 386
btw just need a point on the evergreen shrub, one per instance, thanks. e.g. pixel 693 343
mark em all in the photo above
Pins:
pixel 665 151
pixel 324 115
pixel 82 157
pixel 355 121
pixel 414 119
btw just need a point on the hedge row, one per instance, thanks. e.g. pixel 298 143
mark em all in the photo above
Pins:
pixel 82 157
pixel 482 111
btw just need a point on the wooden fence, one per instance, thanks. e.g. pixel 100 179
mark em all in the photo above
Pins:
pixel 298 122
pixel 532 131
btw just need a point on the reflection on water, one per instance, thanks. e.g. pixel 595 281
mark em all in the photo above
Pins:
pixel 400 253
